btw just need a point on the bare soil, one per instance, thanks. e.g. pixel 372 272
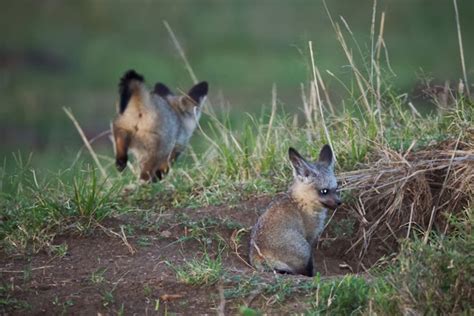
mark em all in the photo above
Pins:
pixel 100 273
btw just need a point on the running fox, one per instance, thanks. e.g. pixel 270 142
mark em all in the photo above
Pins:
pixel 156 126
pixel 284 236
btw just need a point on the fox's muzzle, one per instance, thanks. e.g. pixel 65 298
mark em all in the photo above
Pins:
pixel 332 203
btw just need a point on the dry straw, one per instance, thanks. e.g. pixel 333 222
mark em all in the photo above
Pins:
pixel 398 193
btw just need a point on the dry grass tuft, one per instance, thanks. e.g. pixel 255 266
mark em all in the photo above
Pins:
pixel 399 195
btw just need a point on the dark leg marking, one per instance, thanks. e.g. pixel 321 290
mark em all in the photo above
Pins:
pixel 282 271
pixel 122 141
pixel 309 267
pixel 158 175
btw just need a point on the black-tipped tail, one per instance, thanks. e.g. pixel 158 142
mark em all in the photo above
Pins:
pixel 125 90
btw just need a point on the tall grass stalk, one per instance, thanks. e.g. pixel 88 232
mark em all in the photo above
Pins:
pixel 461 49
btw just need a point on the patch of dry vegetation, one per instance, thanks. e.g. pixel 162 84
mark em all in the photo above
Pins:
pixel 402 194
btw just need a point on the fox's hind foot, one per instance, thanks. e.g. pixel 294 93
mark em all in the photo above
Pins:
pixel 308 270
pixel 282 271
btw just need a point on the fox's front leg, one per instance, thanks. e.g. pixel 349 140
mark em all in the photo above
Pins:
pixel 148 168
pixel 163 169
pixel 174 155
pixel 122 141
pixel 310 267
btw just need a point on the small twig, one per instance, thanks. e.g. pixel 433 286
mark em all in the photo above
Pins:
pixel 378 96
pixel 411 219
pixel 125 241
pixel 391 230
pixel 414 110
pixel 329 221
pixel 435 207
pixel 221 308
pixel 86 142
pixel 272 115
pixel 181 52
pixel 22 271
pixel 372 36
pixel 346 266
pixel 122 236
pixel 236 246
pixel 315 81
pixel 461 49
pixel 326 94
pixel 91 141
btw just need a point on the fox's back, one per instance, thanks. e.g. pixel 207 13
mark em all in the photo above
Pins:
pixel 284 215
pixel 152 123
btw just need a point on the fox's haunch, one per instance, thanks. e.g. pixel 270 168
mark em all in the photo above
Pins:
pixel 155 126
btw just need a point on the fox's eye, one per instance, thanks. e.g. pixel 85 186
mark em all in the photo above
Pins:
pixel 324 191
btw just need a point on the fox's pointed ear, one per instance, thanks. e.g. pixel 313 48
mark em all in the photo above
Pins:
pixel 162 90
pixel 300 165
pixel 199 92
pixel 326 156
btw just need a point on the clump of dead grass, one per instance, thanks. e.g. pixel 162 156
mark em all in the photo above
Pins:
pixel 401 194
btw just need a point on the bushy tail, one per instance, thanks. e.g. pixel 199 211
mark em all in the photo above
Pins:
pixel 127 85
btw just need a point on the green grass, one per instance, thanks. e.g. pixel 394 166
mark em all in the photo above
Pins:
pixel 98 277
pixel 7 299
pixel 34 209
pixel 200 271
pixel 437 277
pixel 248 159
pixel 348 295
pixel 431 278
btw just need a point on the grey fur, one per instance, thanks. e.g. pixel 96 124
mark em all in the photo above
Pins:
pixel 156 129
pixel 284 236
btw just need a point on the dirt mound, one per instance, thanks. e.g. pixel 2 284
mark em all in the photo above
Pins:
pixel 105 273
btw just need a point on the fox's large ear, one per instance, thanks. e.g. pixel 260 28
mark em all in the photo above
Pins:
pixel 198 92
pixel 326 156
pixel 300 166
pixel 162 90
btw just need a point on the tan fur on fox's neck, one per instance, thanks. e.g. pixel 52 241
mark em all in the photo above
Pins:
pixel 305 196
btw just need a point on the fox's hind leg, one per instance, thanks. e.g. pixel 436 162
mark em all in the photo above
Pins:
pixel 158 175
pixel 153 169
pixel 177 150
pixel 148 169
pixel 163 169
pixel 122 142
pixel 296 254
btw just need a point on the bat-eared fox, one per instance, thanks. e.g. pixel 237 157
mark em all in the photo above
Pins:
pixel 284 236
pixel 154 125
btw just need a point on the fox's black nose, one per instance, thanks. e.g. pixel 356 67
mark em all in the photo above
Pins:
pixel 338 202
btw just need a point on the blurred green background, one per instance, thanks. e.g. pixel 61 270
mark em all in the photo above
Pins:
pixel 56 54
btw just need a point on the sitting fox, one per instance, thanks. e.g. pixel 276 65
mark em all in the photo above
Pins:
pixel 155 126
pixel 284 236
